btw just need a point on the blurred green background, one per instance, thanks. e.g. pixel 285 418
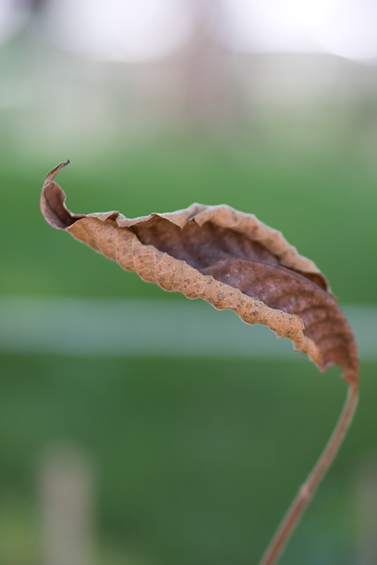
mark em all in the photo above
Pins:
pixel 185 458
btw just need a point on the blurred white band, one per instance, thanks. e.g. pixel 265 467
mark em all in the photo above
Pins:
pixel 150 327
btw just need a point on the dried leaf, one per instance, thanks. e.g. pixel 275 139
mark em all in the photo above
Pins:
pixel 227 258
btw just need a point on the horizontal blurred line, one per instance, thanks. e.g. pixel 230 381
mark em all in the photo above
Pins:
pixel 150 327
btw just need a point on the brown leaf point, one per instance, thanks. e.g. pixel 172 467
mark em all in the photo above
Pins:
pixel 52 202
pixel 52 174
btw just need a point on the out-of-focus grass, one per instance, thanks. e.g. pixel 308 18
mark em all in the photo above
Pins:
pixel 197 459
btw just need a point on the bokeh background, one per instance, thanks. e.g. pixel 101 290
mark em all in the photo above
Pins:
pixel 139 428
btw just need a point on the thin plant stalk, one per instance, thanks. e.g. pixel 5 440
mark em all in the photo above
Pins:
pixel 308 489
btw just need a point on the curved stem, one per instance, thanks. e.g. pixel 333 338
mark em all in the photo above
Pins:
pixel 307 490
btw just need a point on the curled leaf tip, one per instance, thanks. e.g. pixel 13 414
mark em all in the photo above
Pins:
pixel 52 174
pixel 52 202
pixel 226 257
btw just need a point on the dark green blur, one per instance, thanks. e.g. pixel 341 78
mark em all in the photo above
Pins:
pixel 195 461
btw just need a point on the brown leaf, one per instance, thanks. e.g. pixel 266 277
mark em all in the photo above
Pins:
pixel 227 258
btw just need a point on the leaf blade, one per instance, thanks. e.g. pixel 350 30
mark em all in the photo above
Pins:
pixel 226 257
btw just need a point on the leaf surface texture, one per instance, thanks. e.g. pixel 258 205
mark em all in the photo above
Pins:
pixel 228 258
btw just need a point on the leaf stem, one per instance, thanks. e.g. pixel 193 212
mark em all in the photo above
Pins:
pixel 308 489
